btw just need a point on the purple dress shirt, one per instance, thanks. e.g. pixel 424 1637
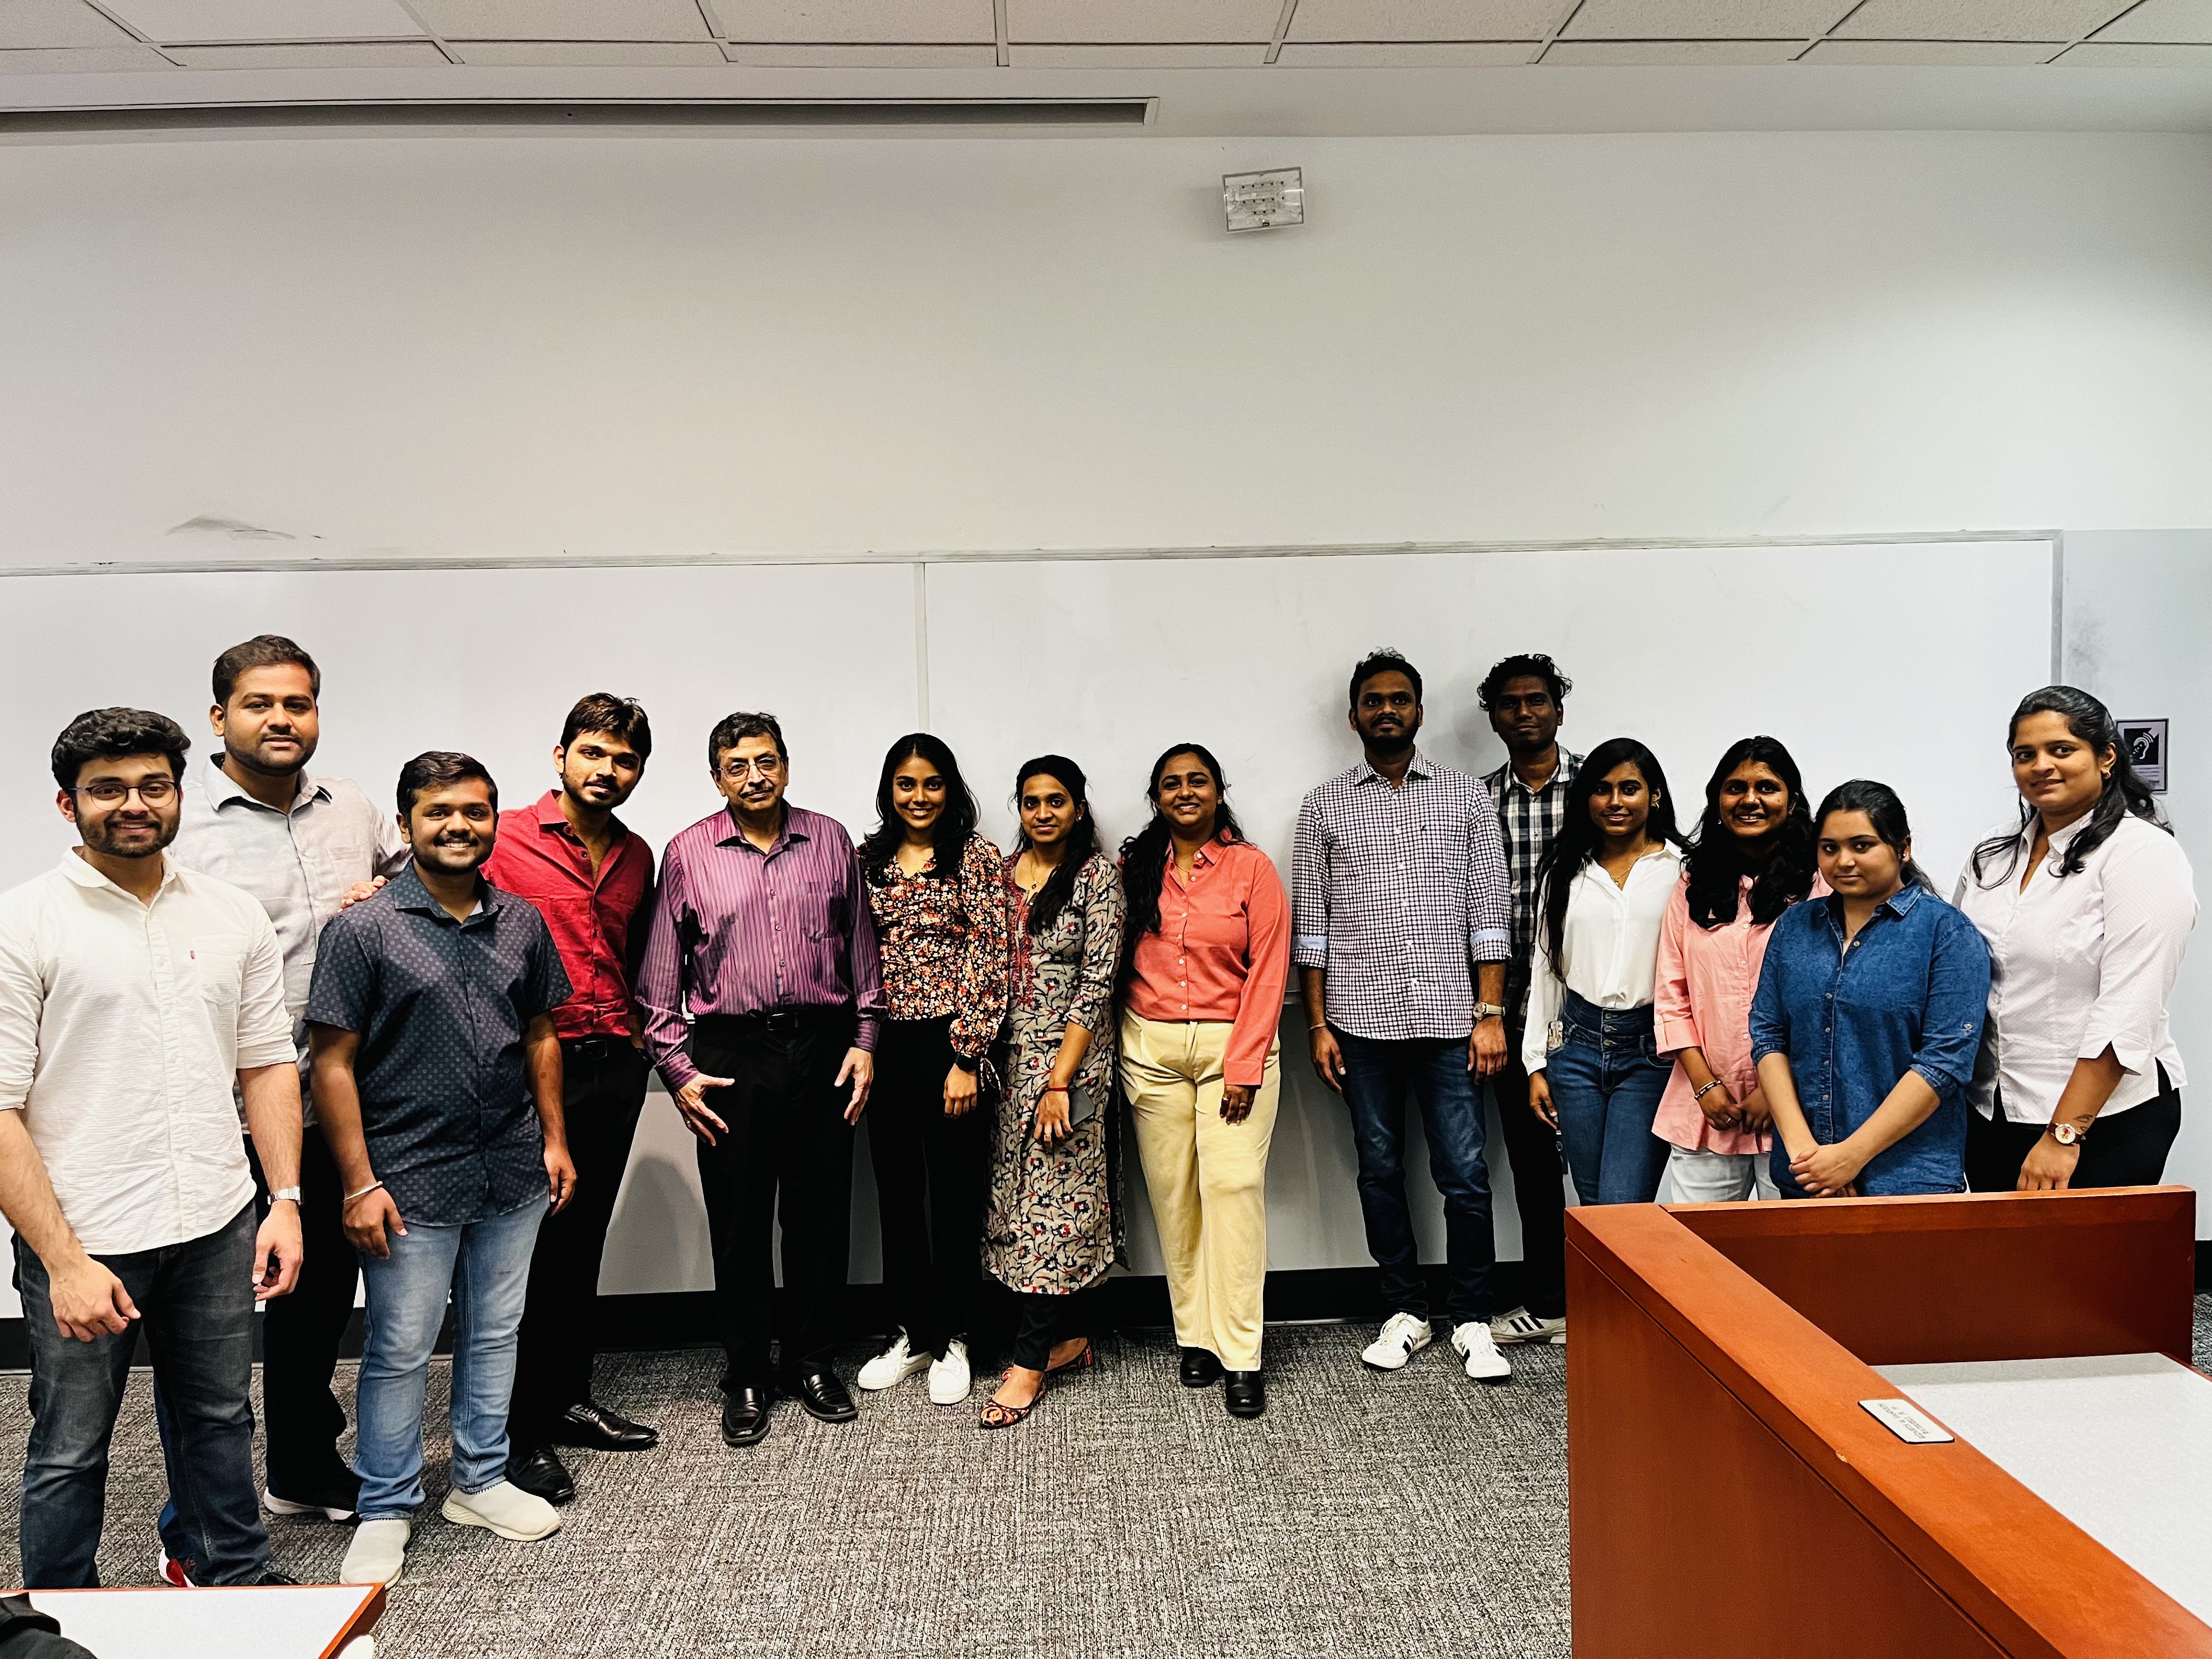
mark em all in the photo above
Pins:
pixel 737 931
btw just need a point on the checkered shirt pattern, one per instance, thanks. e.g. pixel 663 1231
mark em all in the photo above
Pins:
pixel 1396 892
pixel 1530 820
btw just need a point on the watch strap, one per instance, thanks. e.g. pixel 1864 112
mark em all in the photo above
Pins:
pixel 290 1194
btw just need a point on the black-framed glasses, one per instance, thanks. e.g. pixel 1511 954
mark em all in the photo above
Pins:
pixel 154 791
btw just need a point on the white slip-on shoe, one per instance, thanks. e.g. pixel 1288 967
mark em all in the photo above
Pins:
pixel 949 1378
pixel 893 1365
pixel 1484 1362
pixel 1522 1326
pixel 378 1552
pixel 503 1508
pixel 1404 1335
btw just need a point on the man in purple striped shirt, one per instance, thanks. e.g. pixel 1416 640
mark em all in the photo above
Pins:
pixel 762 931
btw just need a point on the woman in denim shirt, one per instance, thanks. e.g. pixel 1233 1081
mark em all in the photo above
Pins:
pixel 1868 1016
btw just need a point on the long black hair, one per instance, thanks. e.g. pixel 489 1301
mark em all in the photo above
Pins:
pixel 2126 795
pixel 954 823
pixel 1577 842
pixel 1049 899
pixel 1716 862
pixel 1145 855
pixel 1884 811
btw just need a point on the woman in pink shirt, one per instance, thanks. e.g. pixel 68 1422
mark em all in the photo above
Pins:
pixel 1208 954
pixel 1753 859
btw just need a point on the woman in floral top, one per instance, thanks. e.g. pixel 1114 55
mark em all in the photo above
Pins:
pixel 934 887
pixel 1051 1228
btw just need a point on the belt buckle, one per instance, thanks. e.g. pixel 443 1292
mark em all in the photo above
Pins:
pixel 781 1021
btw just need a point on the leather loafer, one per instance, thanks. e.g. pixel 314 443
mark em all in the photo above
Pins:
pixel 592 1425
pixel 1245 1393
pixel 744 1416
pixel 1200 1370
pixel 542 1474
pixel 825 1397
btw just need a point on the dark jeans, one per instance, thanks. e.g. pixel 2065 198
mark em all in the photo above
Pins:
pixel 1606 1081
pixel 929 1185
pixel 786 1136
pixel 1041 1323
pixel 2128 1150
pixel 1540 1188
pixel 603 1083
pixel 1376 1076
pixel 195 1306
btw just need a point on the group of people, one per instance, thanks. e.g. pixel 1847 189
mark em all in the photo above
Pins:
pixel 262 1042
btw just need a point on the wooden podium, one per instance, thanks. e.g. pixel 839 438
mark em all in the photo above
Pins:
pixel 1731 1497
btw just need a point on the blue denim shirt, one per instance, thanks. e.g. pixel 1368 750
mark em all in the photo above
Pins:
pixel 1909 994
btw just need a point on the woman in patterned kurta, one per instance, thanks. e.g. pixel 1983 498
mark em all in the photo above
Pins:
pixel 1051 1226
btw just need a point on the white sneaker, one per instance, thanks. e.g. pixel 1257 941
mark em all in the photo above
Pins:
pixel 1484 1362
pixel 503 1508
pixel 893 1365
pixel 950 1379
pixel 1521 1326
pixel 1404 1335
pixel 378 1552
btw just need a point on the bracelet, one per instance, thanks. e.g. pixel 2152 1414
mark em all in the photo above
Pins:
pixel 1055 1089
pixel 1707 1089
pixel 1323 1026
pixel 364 1192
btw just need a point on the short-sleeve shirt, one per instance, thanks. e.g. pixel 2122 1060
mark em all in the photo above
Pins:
pixel 440 1007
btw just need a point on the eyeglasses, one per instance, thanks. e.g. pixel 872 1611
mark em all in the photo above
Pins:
pixel 737 771
pixel 154 791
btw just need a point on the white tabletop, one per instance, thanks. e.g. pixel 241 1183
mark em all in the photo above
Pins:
pixel 267 1621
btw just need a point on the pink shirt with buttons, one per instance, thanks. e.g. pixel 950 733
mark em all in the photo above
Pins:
pixel 1223 953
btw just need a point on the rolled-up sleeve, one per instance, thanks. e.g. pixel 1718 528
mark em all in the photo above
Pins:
pixel 1490 888
pixel 264 1024
pixel 660 977
pixel 23 1002
pixel 1673 1025
pixel 1310 889
pixel 2150 906
pixel 1957 1003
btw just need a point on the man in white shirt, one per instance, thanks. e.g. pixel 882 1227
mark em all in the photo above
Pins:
pixel 132 993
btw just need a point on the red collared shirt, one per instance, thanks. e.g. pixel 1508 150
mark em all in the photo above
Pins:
pixel 597 920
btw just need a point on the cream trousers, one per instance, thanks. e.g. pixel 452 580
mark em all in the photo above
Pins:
pixel 1208 1179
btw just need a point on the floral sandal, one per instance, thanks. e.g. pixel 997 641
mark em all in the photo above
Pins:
pixel 996 1416
pixel 1082 1362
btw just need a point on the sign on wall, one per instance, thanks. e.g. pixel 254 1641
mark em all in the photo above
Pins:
pixel 2146 742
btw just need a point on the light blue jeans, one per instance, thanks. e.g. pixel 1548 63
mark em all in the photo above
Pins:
pixel 486 1267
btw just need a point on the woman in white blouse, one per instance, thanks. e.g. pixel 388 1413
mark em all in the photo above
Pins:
pixel 1594 1071
pixel 2086 905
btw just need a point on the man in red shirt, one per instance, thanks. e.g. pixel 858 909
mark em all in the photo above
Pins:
pixel 592 880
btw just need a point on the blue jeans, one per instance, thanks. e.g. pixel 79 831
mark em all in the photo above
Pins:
pixel 486 1265
pixel 195 1306
pixel 1606 1080
pixel 1377 1075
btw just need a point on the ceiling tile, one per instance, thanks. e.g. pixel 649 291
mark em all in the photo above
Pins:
pixel 63 60
pixel 1578 53
pixel 1063 21
pixel 1425 20
pixel 1703 20
pixel 584 54
pixel 56 23
pixel 1201 55
pixel 857 21
pixel 2097 55
pixel 564 20
pixel 2162 19
pixel 1404 54
pixel 774 54
pixel 1977 20
pixel 1950 53
pixel 165 21
pixel 328 54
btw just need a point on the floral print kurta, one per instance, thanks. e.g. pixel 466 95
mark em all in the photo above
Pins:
pixel 1051 1226
pixel 944 944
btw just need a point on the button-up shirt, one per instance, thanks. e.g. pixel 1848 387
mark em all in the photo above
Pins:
pixel 1530 819
pixel 1906 995
pixel 300 864
pixel 597 917
pixel 2080 963
pixel 440 1007
pixel 1395 892
pixel 737 931
pixel 943 941
pixel 1222 952
pixel 122 1026
pixel 1611 941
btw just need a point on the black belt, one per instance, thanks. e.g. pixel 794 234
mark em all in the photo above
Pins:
pixel 772 1022
pixel 597 1048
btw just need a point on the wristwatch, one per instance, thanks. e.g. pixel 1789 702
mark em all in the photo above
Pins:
pixel 290 1195
pixel 1487 1011
pixel 2064 1134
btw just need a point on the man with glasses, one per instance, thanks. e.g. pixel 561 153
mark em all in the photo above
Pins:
pixel 132 993
pixel 760 929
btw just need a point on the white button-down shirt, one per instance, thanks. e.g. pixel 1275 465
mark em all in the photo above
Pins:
pixel 2078 963
pixel 122 1026
pixel 1612 944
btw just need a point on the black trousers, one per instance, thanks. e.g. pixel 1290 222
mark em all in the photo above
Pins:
pixel 2126 1150
pixel 787 1139
pixel 929 1185
pixel 1042 1323
pixel 300 1334
pixel 603 1083
pixel 1538 1189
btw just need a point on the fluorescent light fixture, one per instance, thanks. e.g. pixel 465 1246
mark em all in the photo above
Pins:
pixel 1261 201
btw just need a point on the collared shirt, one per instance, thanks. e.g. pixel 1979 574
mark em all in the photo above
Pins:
pixel 300 864
pixel 737 931
pixel 1907 994
pixel 597 918
pixel 1223 953
pixel 1530 819
pixel 123 1027
pixel 440 1007
pixel 1612 945
pixel 1396 891
pixel 2080 963
pixel 942 944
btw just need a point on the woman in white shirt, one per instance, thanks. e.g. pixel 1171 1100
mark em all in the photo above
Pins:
pixel 2086 905
pixel 1594 1071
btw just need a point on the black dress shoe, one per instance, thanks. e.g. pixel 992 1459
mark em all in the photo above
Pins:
pixel 825 1397
pixel 593 1427
pixel 1200 1370
pixel 744 1416
pixel 541 1473
pixel 1245 1393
